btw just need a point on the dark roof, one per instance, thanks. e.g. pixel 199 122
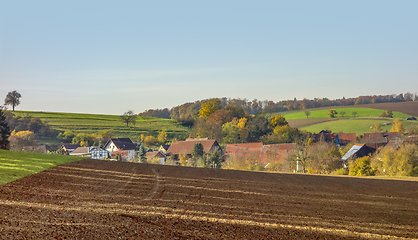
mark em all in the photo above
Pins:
pixel 388 135
pixel 166 147
pixel 70 146
pixel 187 146
pixel 122 143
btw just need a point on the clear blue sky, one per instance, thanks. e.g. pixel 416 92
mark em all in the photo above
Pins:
pixel 113 56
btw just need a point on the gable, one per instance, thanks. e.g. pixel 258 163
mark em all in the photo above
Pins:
pixel 187 146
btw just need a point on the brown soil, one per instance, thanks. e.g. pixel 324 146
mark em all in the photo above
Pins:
pixel 94 199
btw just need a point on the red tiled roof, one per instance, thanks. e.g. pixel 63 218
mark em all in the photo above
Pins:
pixel 389 135
pixel 243 147
pixel 187 146
pixel 345 138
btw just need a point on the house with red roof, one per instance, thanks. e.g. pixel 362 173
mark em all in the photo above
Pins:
pixel 186 147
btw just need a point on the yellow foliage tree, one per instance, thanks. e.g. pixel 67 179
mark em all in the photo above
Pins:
pixel 183 159
pixel 162 136
pixel 210 107
pixel 397 126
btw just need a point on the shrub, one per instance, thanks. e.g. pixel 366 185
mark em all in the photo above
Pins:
pixel 362 167
pixel 341 171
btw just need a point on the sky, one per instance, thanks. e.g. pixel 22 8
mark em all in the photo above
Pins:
pixel 113 56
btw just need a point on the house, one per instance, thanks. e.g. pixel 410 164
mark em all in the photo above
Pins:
pixel 235 148
pixel 186 147
pixel 70 147
pixel 81 152
pixel 155 155
pixel 163 149
pixel 341 139
pixel 276 152
pixel 376 140
pixel 124 146
pixel 99 153
pixel 244 150
pixel 357 150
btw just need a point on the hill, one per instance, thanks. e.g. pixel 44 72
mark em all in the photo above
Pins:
pixel 364 119
pixel 112 200
pixel 15 165
pixel 94 123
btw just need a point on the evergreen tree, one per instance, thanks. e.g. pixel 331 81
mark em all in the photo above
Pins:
pixel 4 131
pixel 197 151
pixel 141 154
pixel 215 160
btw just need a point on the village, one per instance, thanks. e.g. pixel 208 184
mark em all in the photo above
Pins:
pixel 123 149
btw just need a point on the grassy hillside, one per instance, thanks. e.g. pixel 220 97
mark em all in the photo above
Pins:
pixel 94 123
pixel 365 118
pixel 361 112
pixel 15 165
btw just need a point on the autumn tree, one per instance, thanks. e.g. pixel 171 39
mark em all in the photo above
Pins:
pixel 361 167
pixel 277 121
pixel 13 99
pixel 376 128
pixel 128 118
pixel 66 136
pixel 354 114
pixel 162 137
pixel 209 107
pixel 4 131
pixel 401 162
pixel 342 114
pixel 397 126
pixel 332 113
pixel 19 140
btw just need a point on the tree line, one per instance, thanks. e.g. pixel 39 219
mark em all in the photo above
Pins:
pixel 188 111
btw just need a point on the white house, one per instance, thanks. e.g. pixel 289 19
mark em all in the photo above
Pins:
pixel 124 146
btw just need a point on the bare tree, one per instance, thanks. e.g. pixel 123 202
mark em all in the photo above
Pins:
pixel 13 99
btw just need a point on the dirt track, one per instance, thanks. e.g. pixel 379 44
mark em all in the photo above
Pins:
pixel 95 199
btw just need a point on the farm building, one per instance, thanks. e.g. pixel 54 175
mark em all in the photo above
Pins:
pixel 341 139
pixel 261 154
pixel 124 146
pixel 81 152
pixel 357 151
pixel 155 155
pixel 163 149
pixel 99 153
pixel 70 147
pixel 376 140
pixel 186 147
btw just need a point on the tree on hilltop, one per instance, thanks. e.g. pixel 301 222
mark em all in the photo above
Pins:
pixel 13 99
pixel 128 117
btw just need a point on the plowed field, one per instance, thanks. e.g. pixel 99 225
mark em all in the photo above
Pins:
pixel 94 199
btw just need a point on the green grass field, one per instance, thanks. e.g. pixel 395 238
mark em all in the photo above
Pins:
pixel 361 112
pixel 94 123
pixel 355 125
pixel 15 165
